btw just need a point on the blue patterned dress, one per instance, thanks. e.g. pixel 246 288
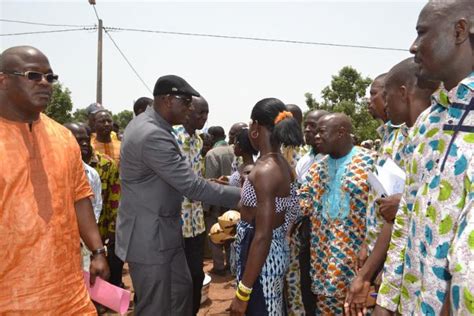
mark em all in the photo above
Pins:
pixel 267 293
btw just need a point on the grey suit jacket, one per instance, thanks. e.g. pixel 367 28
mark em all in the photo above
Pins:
pixel 218 163
pixel 155 176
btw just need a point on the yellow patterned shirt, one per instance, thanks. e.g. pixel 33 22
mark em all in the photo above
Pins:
pixel 192 214
pixel 109 177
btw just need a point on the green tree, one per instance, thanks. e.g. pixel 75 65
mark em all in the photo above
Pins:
pixel 80 115
pixel 346 94
pixel 60 105
pixel 123 118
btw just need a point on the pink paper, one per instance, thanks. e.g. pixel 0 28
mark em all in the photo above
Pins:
pixel 107 294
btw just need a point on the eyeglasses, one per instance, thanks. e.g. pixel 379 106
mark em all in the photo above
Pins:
pixel 35 76
pixel 186 100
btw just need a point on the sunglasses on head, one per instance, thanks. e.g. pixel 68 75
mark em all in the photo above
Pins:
pixel 35 76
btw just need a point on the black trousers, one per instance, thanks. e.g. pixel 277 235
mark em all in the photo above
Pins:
pixel 304 258
pixel 115 265
pixel 194 251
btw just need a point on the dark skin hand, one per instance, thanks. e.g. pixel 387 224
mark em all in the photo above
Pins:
pixel 357 295
pixel 221 180
pixel 91 237
pixel 388 206
pixel 265 218
pixel 380 311
pixel 446 304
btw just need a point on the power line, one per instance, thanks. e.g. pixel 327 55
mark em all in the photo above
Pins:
pixel 95 10
pixel 43 24
pixel 261 39
pixel 122 53
pixel 51 31
pixel 126 59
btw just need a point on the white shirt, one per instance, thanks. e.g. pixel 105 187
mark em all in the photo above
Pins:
pixel 305 163
pixel 96 185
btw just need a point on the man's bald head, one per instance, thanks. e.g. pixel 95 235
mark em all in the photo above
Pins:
pixel 73 127
pixel 453 10
pixel 339 121
pixel 403 91
pixel 23 98
pixel 82 138
pixel 20 56
pixel 333 135
pixel 315 114
pixel 405 73
pixel 234 130
pixel 445 42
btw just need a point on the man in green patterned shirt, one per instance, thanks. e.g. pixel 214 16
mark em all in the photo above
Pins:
pixel 192 215
pixel 418 273
pixel 405 99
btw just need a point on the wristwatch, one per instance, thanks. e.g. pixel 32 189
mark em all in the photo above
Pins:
pixel 99 251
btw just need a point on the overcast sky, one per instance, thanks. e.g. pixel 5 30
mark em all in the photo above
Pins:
pixel 231 74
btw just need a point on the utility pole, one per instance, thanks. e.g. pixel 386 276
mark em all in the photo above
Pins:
pixel 99 64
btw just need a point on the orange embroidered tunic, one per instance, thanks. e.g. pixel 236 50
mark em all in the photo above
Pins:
pixel 41 177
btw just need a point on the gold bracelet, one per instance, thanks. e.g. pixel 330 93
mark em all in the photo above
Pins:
pixel 241 297
pixel 244 289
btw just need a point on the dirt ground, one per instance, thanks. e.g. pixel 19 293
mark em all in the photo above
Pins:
pixel 221 293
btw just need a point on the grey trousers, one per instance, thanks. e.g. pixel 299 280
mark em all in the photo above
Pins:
pixel 163 289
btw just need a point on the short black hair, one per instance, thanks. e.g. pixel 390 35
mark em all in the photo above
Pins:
pixel 242 139
pixel 101 111
pixel 217 132
pixel 141 104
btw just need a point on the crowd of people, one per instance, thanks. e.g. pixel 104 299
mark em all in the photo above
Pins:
pixel 315 235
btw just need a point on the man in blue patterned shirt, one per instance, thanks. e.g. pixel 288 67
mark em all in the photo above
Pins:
pixel 417 277
pixel 405 99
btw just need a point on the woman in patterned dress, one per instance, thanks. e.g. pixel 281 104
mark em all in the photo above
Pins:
pixel 269 206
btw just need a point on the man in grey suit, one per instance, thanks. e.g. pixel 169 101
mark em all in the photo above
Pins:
pixel 155 176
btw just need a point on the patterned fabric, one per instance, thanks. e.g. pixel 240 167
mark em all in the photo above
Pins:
pixel 41 177
pixel 416 274
pixel 238 161
pixel 109 176
pixel 461 261
pixel 305 162
pixel 111 149
pixel 234 179
pixel 192 214
pixel 293 276
pixel 391 147
pixel 336 241
pixel 288 204
pixel 293 154
pixel 330 305
pixel 96 185
pixel 267 293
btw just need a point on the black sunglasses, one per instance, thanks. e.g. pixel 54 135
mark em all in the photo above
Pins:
pixel 35 76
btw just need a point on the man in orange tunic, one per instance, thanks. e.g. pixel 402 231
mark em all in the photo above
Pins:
pixel 105 140
pixel 44 198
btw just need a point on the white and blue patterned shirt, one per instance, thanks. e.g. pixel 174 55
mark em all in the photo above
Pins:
pixel 437 193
